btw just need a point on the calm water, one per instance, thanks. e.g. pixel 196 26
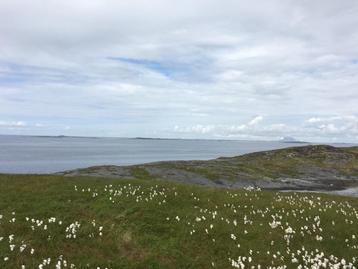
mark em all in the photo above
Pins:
pixel 27 154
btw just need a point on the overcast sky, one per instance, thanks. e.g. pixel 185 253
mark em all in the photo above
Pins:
pixel 190 68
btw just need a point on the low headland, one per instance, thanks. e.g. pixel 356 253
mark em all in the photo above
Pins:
pixel 314 167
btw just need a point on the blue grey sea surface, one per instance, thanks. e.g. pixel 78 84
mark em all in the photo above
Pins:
pixel 34 154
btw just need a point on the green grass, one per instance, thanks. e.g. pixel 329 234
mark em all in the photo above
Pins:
pixel 150 224
pixel 140 173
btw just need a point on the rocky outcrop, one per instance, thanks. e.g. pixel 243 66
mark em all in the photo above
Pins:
pixel 318 167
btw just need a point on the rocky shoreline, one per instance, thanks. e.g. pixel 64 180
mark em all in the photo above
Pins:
pixel 309 168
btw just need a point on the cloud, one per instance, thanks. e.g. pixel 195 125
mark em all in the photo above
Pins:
pixel 20 125
pixel 314 120
pixel 255 120
pixel 13 124
pixel 335 125
pixel 330 129
pixel 136 68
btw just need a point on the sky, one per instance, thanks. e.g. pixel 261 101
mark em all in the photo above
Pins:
pixel 213 69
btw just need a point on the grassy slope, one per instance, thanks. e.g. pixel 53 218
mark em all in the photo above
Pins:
pixel 140 230
pixel 290 162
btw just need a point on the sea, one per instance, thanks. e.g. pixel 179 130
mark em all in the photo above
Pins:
pixel 46 154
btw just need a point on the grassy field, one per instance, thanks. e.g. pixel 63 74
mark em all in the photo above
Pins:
pixel 88 222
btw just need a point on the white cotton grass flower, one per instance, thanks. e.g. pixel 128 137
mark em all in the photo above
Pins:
pixel 289 218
